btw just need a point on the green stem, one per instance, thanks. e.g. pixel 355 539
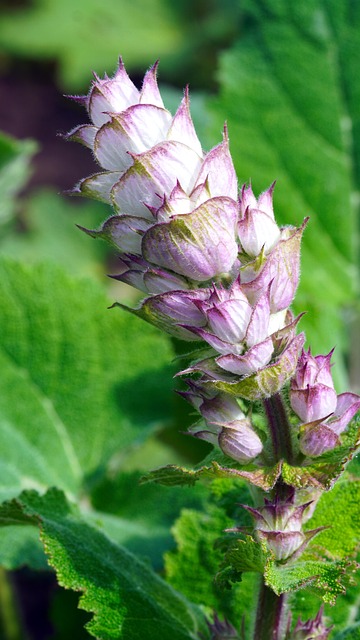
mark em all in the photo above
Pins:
pixel 10 624
pixel 279 427
pixel 270 615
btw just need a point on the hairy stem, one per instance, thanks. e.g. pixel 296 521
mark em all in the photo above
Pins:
pixel 280 428
pixel 270 615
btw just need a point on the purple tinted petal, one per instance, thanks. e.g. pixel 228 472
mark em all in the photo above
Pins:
pixel 258 328
pixel 281 273
pixel 229 320
pixel 242 444
pixel 98 186
pixel 150 93
pixel 316 439
pixel 282 543
pixel 135 130
pixel 154 174
pixel 348 404
pixel 85 134
pixel 218 170
pixel 256 358
pixel 111 95
pixel 256 231
pixel 198 245
pixel 314 403
pixel 182 128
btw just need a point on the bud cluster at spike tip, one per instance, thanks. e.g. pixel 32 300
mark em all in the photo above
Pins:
pixel 214 265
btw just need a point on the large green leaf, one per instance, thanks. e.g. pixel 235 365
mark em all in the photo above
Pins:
pixel 290 94
pixel 127 599
pixel 50 234
pixel 72 376
pixel 15 156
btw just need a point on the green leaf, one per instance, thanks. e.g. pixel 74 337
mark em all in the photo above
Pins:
pixel 352 633
pixel 141 31
pixel 196 561
pixel 326 579
pixel 127 599
pixel 50 234
pixel 339 510
pixel 289 92
pixel 15 156
pixel 78 370
pixel 173 475
pixel 140 517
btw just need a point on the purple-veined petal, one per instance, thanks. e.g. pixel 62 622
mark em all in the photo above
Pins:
pixel 84 133
pixel 218 170
pixel 161 281
pixel 216 343
pixel 348 404
pixel 177 203
pixel 135 130
pixel 123 232
pixel 282 543
pixel 316 438
pixel 254 359
pixel 258 327
pixel 229 320
pixel 281 272
pixel 241 443
pixel 256 231
pixel 154 174
pixel 111 95
pixel 313 403
pixel 150 93
pixel 198 245
pixel 182 128
pixel 208 367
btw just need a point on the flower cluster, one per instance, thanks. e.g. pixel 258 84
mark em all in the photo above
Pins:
pixel 214 265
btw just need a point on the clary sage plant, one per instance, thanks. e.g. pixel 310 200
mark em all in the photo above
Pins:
pixel 217 271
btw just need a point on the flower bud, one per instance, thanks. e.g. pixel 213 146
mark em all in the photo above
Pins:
pixel 313 397
pixel 279 525
pixel 311 629
pixel 227 426
pixel 257 227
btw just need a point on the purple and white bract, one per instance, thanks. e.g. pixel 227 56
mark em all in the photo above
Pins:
pixel 279 525
pixel 215 266
pixel 226 425
pixel 313 398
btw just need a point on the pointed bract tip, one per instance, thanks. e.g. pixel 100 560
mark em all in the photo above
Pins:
pixel 89 232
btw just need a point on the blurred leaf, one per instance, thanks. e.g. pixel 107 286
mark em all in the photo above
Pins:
pixel 77 370
pixel 50 234
pixel 128 600
pixel 141 31
pixel 352 633
pixel 140 517
pixel 15 156
pixel 290 94
pixel 20 546
pixel 192 567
